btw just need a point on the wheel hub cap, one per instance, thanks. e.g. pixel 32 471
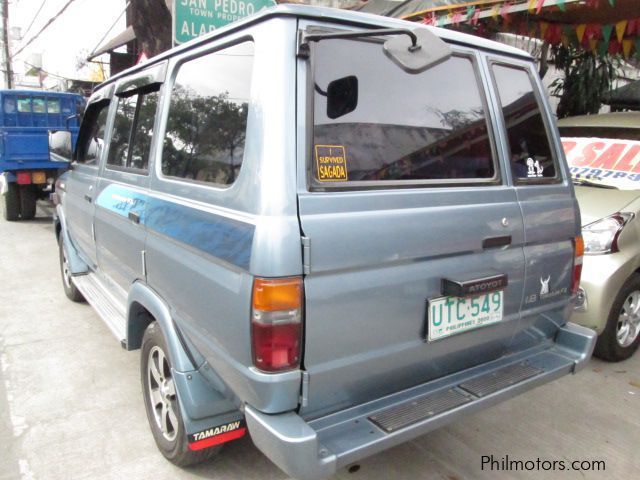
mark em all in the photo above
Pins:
pixel 628 326
pixel 162 393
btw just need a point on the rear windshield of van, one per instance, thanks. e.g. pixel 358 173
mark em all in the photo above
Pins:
pixel 374 122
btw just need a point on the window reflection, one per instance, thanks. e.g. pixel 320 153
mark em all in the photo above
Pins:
pixel 206 128
pixel 427 126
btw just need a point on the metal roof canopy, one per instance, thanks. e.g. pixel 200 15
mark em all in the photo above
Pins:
pixel 119 40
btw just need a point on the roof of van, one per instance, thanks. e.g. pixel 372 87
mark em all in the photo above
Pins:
pixel 349 17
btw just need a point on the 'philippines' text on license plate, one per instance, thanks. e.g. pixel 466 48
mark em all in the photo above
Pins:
pixel 450 315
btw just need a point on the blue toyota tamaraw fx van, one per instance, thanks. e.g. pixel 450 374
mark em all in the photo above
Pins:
pixel 330 230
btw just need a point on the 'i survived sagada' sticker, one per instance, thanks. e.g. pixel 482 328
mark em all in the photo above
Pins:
pixel 331 163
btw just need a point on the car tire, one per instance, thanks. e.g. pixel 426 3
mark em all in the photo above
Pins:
pixel 621 336
pixel 161 402
pixel 11 203
pixel 28 198
pixel 70 289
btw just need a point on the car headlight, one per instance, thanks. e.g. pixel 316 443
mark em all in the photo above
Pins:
pixel 602 235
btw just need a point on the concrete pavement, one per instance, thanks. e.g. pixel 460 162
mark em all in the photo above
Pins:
pixel 71 402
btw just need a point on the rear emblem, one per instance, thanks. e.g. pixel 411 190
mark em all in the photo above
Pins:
pixel 544 285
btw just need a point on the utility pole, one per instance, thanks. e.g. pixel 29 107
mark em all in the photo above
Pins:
pixel 5 40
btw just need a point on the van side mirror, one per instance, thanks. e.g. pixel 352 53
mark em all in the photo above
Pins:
pixel 60 146
pixel 418 52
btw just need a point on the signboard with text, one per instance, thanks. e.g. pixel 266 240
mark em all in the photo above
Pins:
pixel 606 161
pixel 192 18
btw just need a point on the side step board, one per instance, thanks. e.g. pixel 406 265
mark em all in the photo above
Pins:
pixel 112 312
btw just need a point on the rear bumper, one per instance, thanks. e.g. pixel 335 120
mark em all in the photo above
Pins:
pixel 316 449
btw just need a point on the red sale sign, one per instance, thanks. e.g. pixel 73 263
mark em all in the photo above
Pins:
pixel 604 160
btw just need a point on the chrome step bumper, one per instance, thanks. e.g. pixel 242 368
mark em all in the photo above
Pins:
pixel 316 449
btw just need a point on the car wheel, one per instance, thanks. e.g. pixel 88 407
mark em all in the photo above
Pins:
pixel 28 197
pixel 621 335
pixel 162 404
pixel 70 289
pixel 11 203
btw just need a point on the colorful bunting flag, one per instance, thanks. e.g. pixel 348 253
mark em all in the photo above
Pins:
pixel 603 47
pixel 606 32
pixel 580 29
pixel 627 45
pixel 561 5
pixel 543 29
pixel 539 6
pixel 470 12
pixel 476 17
pixel 504 12
pixel 621 27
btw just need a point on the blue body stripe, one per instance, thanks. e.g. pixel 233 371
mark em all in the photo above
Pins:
pixel 222 237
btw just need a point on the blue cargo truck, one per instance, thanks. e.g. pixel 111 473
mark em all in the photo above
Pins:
pixel 27 172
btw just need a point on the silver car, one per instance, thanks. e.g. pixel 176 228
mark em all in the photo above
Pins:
pixel 604 155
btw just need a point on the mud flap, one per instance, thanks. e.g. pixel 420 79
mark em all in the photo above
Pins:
pixel 209 418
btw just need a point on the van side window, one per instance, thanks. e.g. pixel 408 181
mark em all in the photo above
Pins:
pixel 143 131
pixel 530 152
pixel 91 137
pixel 376 123
pixel 132 132
pixel 120 136
pixel 207 122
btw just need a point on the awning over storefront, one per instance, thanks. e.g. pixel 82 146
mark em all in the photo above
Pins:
pixel 119 40
pixel 599 25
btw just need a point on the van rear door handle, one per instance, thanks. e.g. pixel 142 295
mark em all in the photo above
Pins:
pixel 88 198
pixel 495 242
pixel 473 284
pixel 134 217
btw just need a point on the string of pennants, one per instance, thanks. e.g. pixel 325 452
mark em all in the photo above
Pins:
pixel 622 37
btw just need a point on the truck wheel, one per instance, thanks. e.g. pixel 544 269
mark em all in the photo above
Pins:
pixel 621 336
pixel 161 402
pixel 70 290
pixel 28 197
pixel 11 203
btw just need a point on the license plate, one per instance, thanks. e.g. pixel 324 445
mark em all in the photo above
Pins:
pixel 451 315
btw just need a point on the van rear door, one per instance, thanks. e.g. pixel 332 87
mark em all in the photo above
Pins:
pixel 413 237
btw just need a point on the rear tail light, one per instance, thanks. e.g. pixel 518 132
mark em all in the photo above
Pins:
pixel 23 178
pixel 276 323
pixel 578 246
